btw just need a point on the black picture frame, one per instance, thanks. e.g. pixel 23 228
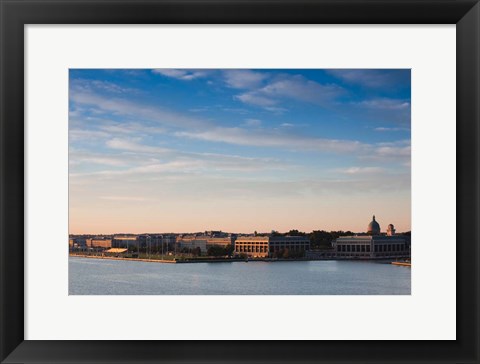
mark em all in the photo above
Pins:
pixel 15 14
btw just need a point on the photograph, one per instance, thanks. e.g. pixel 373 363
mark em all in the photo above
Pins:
pixel 226 181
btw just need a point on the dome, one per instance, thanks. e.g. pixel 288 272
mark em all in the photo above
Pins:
pixel 373 227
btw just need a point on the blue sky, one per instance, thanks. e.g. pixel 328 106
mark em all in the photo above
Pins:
pixel 187 150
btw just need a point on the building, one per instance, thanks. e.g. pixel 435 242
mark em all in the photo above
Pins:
pixel 125 241
pixel 77 242
pixel 191 242
pixel 270 246
pixel 222 242
pixel 373 227
pixel 99 242
pixel 144 241
pixel 373 245
pixel 162 242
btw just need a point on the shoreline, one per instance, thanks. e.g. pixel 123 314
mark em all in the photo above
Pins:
pixel 119 258
pixel 223 260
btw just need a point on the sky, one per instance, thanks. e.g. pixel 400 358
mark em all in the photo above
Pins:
pixel 238 150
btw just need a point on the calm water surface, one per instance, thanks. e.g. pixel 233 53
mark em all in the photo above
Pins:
pixel 116 277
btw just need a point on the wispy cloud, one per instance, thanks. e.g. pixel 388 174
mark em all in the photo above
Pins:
pixel 385 104
pixel 254 123
pixel 119 106
pixel 132 146
pixel 244 79
pixel 294 87
pixel 75 134
pixel 292 142
pixel 182 74
pixel 373 78
pixel 241 136
pixel 386 129
pixel 361 170
pixel 131 128
pixel 103 86
pixel 76 158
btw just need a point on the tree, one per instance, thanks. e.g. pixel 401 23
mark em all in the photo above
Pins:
pixel 229 250
pixel 215 251
pixel 295 233
pixel 197 251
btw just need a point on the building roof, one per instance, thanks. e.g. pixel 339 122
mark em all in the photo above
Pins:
pixel 116 250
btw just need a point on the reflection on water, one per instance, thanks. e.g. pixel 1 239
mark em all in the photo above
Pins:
pixel 112 277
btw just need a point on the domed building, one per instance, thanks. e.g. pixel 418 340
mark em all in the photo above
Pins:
pixel 373 244
pixel 373 227
pixel 390 230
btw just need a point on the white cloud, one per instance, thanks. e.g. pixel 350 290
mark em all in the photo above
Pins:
pixel 299 88
pixel 254 123
pixel 86 134
pixel 391 129
pixel 75 159
pixel 294 87
pixel 256 98
pixel 243 79
pixel 385 104
pixel 272 139
pixel 242 136
pixel 361 170
pixel 105 86
pixel 121 106
pixel 182 74
pixel 131 128
pixel 373 78
pixel 132 146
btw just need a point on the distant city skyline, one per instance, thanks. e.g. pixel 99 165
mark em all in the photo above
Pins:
pixel 165 150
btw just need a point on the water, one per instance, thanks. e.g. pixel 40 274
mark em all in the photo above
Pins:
pixel 117 277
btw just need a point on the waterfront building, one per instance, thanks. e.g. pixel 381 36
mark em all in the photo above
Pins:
pixel 373 245
pixel 222 242
pixel 169 240
pixel 204 242
pixel 192 242
pixel 124 241
pixel 161 242
pixel 99 242
pixel 268 246
pixel 144 241
pixel 77 242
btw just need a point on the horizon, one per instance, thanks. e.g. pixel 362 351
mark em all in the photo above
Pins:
pixel 241 149
pixel 227 232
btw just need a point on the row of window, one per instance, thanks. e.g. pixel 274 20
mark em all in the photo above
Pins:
pixel 366 248
pixel 265 249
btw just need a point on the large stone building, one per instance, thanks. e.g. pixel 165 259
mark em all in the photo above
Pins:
pixel 223 242
pixel 267 246
pixel 99 242
pixel 204 242
pixel 373 245
pixel 125 241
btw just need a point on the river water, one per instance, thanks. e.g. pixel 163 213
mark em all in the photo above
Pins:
pixel 116 277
